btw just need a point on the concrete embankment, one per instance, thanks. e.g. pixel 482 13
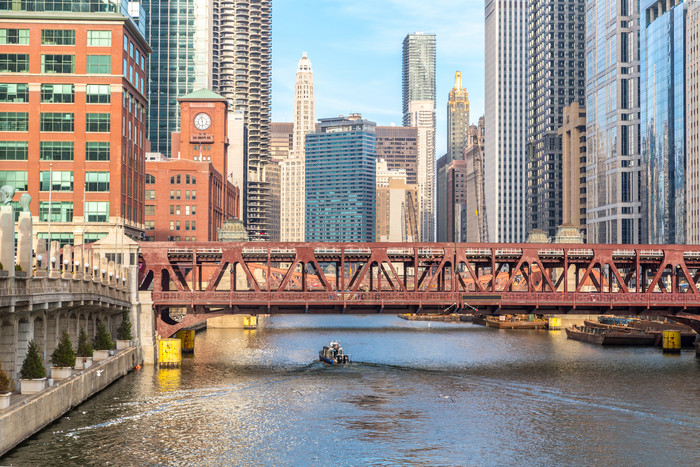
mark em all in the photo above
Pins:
pixel 29 414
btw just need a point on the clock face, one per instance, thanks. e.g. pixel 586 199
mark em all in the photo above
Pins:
pixel 202 121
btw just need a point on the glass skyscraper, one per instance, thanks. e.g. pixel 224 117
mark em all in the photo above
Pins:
pixel 341 161
pixel 662 120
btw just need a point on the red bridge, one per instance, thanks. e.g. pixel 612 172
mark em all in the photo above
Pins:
pixel 199 280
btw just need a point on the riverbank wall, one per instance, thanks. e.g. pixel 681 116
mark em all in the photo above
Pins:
pixel 28 414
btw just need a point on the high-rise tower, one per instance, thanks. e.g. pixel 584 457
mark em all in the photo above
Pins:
pixel 180 34
pixel 293 168
pixel 556 78
pixel 419 111
pixel 242 64
pixel 505 119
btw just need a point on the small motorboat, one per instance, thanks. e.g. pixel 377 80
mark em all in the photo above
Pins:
pixel 333 353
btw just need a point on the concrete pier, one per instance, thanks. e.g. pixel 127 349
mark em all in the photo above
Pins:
pixel 29 414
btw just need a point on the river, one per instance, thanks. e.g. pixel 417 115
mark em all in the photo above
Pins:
pixel 417 393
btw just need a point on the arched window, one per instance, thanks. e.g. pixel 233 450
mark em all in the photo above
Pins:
pixel 150 179
pixel 194 181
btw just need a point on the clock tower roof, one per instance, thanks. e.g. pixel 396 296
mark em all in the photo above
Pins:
pixel 202 95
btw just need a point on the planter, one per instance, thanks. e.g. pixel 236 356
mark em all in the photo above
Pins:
pixel 32 386
pixel 122 344
pixel 99 355
pixel 83 363
pixel 61 372
pixel 5 400
pixel 4 273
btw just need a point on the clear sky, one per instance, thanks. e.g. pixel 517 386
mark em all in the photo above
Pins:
pixel 355 51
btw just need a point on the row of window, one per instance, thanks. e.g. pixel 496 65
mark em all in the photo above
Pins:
pixel 177 179
pixel 55 37
pixel 56 180
pixel 53 151
pixel 189 225
pixel 56 63
pixel 55 122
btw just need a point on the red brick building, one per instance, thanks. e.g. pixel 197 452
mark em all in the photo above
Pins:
pixel 72 119
pixel 188 196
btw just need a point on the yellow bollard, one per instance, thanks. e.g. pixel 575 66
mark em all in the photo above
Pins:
pixel 671 341
pixel 250 322
pixel 187 338
pixel 554 323
pixel 169 352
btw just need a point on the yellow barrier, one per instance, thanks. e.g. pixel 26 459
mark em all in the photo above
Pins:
pixel 671 341
pixel 250 322
pixel 169 352
pixel 187 338
pixel 554 323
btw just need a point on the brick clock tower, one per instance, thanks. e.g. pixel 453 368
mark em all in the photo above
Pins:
pixel 203 127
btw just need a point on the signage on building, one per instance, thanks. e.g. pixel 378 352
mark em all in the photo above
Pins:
pixel 201 138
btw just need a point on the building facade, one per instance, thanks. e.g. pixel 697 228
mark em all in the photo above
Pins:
pixel 397 211
pixel 614 210
pixel 72 116
pixel 293 168
pixel 692 122
pixel 418 83
pixel 573 143
pixel 341 181
pixel 398 146
pixel 505 93
pixel 181 35
pixel 471 221
pixel 662 42
pixel 241 73
pixel 556 78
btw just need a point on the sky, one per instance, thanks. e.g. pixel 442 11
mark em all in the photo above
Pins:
pixel 355 52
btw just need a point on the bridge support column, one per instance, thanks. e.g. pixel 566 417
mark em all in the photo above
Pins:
pixel 7 240
pixel 146 326
pixel 697 346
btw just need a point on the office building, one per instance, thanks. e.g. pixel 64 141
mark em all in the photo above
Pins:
pixel 188 197
pixel 72 116
pixel 556 78
pixel 418 82
pixel 470 222
pixel 662 43
pixel 614 210
pixel 241 73
pixel 397 211
pixel 181 35
pixel 398 146
pixel 341 181
pixel 505 158
pixel 692 122
pixel 281 136
pixel 573 143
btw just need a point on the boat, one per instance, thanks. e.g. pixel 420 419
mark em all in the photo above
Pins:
pixel 609 336
pixel 515 322
pixel 452 317
pixel 333 354
pixel 654 328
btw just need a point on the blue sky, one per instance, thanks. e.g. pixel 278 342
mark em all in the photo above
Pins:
pixel 355 51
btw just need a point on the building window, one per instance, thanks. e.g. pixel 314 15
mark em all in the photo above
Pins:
pixel 14 63
pixel 175 180
pixel 14 36
pixel 194 225
pixel 57 93
pixel 97 151
pixel 99 64
pixel 97 211
pixel 150 179
pixel 99 38
pixel 61 211
pixel 63 239
pixel 56 151
pixel 96 181
pixel 97 123
pixel 14 121
pixel 150 194
pixel 57 121
pixel 172 225
pixel 91 237
pixel 61 180
pixel 57 37
pixel 15 178
pixel 56 63
pixel 150 210
pixel 194 194
pixel 98 94
pixel 150 225
pixel 14 150
pixel 14 92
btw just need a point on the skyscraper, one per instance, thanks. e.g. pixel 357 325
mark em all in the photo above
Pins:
pixel 556 78
pixel 180 34
pixel 614 209
pixel 341 161
pixel 293 168
pixel 457 138
pixel 418 81
pixel 662 42
pixel 242 64
pixel 505 118
pixel 692 122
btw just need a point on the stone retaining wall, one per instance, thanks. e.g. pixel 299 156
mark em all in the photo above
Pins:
pixel 29 414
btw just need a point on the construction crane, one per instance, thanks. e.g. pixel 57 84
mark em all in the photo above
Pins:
pixel 481 197
pixel 411 226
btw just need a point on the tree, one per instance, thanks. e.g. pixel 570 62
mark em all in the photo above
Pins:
pixel 103 339
pixel 124 331
pixel 84 346
pixel 32 366
pixel 64 356
pixel 4 382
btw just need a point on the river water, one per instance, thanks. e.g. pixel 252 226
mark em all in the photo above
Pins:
pixel 417 393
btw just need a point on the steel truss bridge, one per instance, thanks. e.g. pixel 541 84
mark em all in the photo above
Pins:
pixel 199 280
